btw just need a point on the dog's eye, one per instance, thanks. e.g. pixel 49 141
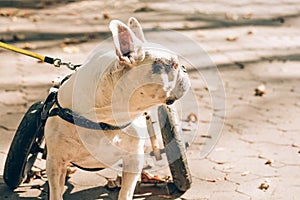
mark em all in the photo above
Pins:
pixel 183 69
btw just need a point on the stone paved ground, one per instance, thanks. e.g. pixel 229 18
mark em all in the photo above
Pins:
pixel 251 42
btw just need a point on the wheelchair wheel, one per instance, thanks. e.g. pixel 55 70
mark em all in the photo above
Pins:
pixel 25 147
pixel 174 148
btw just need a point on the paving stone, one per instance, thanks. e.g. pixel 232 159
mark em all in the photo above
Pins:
pixel 2 161
pixel 12 121
pixel 241 177
pixel 287 185
pixel 287 155
pixel 229 195
pixel 223 153
pixel 6 137
pixel 204 170
pixel 256 166
pixel 268 135
pixel 12 98
pixel 251 188
pixel 207 188
pixel 84 180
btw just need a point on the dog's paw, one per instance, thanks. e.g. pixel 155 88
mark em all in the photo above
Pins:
pixel 114 183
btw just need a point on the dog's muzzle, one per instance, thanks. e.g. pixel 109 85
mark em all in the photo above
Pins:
pixel 170 100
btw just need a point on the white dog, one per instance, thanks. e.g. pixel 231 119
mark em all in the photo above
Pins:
pixel 115 89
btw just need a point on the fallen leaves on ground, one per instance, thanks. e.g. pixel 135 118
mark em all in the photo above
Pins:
pixel 269 162
pixel 210 180
pixel 264 185
pixel 260 90
pixel 232 38
pixel 245 173
pixel 106 16
pixel 29 46
pixel 36 174
pixel 149 178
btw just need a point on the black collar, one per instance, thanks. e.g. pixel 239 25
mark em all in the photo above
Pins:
pixel 78 120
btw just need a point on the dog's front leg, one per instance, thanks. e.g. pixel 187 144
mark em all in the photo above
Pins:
pixel 56 173
pixel 132 168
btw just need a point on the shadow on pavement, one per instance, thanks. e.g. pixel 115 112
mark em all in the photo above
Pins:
pixel 35 4
pixel 145 191
pixel 41 191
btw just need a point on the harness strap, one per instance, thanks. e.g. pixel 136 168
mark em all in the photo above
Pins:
pixel 87 169
pixel 79 120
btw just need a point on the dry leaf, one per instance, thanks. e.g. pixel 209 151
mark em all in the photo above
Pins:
pixel 29 46
pixel 269 162
pixel 186 129
pixel 264 185
pixel 36 174
pixel 211 180
pixel 106 16
pixel 260 90
pixel 35 18
pixel 149 178
pixel 250 32
pixel 232 38
pixel 260 156
pixel 206 136
pixel 245 173
pixel 294 145
pixel 8 12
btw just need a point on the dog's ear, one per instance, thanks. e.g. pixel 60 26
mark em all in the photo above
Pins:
pixel 126 43
pixel 136 28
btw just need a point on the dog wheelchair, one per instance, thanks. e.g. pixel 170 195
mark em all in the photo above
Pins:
pixel 28 142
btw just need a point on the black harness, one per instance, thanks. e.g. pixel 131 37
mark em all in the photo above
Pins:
pixel 79 120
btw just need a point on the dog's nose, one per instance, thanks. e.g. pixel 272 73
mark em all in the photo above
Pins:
pixel 170 101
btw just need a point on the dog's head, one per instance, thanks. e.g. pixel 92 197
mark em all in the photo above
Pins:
pixel 168 79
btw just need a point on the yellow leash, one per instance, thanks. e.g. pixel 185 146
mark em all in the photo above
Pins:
pixel 55 61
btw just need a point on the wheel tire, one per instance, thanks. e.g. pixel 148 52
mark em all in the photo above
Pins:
pixel 23 149
pixel 174 148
